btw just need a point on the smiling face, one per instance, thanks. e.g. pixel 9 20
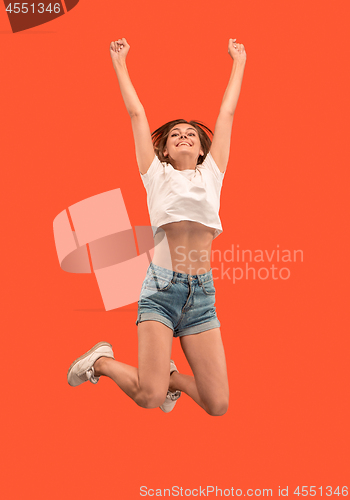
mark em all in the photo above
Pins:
pixel 183 140
pixel 165 143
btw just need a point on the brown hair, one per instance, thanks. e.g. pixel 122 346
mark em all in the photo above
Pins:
pixel 160 136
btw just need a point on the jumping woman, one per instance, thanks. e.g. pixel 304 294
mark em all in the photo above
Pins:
pixel 182 171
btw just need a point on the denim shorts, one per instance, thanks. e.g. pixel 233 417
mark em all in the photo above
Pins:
pixel 183 302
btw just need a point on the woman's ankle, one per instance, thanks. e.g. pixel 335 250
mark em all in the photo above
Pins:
pixel 100 364
pixel 173 380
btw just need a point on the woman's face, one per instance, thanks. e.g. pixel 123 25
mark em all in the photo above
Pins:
pixel 183 139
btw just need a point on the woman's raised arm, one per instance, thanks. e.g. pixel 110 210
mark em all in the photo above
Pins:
pixel 142 134
pixel 220 148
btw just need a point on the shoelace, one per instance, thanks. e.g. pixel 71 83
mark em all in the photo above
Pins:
pixel 173 395
pixel 91 375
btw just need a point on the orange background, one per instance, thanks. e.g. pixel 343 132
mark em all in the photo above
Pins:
pixel 66 136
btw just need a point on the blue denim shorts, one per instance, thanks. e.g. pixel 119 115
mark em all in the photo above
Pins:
pixel 183 302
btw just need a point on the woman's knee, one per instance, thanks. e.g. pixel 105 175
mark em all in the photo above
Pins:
pixel 151 398
pixel 217 407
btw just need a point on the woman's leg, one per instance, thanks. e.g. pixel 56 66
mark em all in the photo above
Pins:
pixel 148 384
pixel 209 386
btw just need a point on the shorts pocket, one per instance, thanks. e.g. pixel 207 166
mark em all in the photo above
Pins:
pixel 208 287
pixel 157 283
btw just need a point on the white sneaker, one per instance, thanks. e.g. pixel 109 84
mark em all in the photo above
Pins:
pixel 171 397
pixel 82 369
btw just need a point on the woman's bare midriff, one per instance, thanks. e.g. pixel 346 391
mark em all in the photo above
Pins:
pixel 184 247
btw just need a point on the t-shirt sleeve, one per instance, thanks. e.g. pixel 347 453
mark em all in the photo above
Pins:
pixel 155 167
pixel 210 164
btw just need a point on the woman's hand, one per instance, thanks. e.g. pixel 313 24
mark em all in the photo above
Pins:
pixel 119 50
pixel 236 50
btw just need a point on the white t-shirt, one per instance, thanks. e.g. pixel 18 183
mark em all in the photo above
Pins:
pixel 175 195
